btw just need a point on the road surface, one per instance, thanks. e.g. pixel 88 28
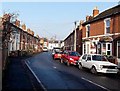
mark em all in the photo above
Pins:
pixel 51 74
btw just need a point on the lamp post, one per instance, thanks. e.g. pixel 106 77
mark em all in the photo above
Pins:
pixel 75 37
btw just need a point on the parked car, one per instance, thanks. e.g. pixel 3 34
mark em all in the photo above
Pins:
pixel 57 55
pixel 45 49
pixel 70 57
pixel 97 63
pixel 55 49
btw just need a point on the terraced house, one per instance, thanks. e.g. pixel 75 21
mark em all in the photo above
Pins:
pixel 17 40
pixel 101 32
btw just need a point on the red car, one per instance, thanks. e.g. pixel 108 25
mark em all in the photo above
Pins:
pixel 57 55
pixel 70 57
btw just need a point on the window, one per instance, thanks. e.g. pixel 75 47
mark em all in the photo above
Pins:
pixel 84 57
pixel 107 48
pixel 89 58
pixel 99 58
pixel 107 25
pixel 84 48
pixel 87 30
pixel 74 54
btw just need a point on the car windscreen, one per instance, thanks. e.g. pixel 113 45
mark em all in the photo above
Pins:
pixel 58 52
pixel 98 58
pixel 44 47
pixel 74 54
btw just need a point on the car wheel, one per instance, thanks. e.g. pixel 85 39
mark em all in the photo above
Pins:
pixel 93 70
pixel 80 66
pixel 53 57
pixel 68 64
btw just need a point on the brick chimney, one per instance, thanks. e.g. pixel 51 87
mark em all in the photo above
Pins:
pixel 81 22
pixel 80 26
pixel 24 27
pixel 37 36
pixel 17 23
pixel 28 30
pixel 6 17
pixel 95 12
pixel 1 24
pixel 87 18
pixel 32 33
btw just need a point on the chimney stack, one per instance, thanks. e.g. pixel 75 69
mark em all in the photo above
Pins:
pixel 95 12
pixel 6 17
pixel 17 23
pixel 28 30
pixel 24 27
pixel 32 33
pixel 81 22
pixel 87 18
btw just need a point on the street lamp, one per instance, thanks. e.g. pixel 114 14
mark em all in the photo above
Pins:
pixel 75 36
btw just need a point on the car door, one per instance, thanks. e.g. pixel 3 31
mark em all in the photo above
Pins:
pixel 83 60
pixel 88 62
pixel 64 56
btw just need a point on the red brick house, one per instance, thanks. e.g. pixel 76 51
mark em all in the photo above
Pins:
pixel 101 32
pixel 69 41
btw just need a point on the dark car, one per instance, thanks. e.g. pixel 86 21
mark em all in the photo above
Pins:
pixel 70 57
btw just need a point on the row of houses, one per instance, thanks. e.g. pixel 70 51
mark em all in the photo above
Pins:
pixel 17 40
pixel 99 33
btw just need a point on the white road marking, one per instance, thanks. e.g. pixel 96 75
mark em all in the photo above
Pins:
pixel 36 77
pixel 94 83
pixel 28 61
pixel 54 67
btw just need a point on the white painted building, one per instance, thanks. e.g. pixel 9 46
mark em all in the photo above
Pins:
pixel 55 43
pixel 14 42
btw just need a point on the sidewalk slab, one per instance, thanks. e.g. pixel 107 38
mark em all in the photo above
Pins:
pixel 15 78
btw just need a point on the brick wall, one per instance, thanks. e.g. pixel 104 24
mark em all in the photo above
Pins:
pixel 97 28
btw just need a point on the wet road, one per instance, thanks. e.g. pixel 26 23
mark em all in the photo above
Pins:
pixel 54 75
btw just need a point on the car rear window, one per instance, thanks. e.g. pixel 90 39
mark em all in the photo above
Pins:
pixel 74 54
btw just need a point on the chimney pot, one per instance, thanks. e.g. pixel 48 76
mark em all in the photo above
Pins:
pixel 87 18
pixel 95 11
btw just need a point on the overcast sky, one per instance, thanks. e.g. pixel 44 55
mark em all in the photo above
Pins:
pixel 51 19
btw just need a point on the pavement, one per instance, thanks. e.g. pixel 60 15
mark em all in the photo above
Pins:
pixel 18 77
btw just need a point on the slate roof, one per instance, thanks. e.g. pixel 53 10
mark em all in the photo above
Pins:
pixel 107 13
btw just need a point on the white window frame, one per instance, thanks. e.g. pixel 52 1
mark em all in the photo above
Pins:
pixel 88 47
pixel 105 31
pixel 106 49
pixel 87 30
pixel 109 49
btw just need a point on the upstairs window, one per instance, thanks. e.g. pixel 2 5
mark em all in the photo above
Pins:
pixel 107 25
pixel 88 30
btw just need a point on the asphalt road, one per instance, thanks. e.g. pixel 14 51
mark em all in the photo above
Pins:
pixel 51 74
